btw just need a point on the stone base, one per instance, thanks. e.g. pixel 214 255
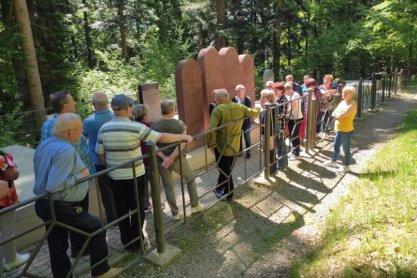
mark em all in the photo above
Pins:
pixel 163 259
pixel 262 181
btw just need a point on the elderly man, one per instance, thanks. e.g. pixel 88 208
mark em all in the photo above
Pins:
pixel 62 102
pixel 92 125
pixel 243 99
pixel 168 159
pixel 295 86
pixel 226 141
pixel 118 142
pixel 58 167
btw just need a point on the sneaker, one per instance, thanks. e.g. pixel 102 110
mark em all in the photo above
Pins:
pixel 197 208
pixel 112 272
pixel 175 217
pixel 344 169
pixel 20 259
pixel 148 207
pixel 331 163
pixel 219 195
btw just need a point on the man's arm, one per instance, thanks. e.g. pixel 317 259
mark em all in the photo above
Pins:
pixel 252 112
pixel 215 120
pixel 171 138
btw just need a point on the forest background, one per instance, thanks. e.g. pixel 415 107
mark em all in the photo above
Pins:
pixel 115 45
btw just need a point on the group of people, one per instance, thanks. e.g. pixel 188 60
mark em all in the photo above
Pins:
pixel 72 149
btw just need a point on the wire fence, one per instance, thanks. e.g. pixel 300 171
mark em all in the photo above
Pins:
pixel 372 92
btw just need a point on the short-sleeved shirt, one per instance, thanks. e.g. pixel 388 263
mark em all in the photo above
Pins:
pixel 57 168
pixel 295 101
pixel 6 161
pixel 91 127
pixel 120 140
pixel 168 126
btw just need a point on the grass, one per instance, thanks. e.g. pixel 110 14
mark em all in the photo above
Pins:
pixel 372 232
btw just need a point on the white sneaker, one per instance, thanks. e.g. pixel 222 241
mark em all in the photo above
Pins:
pixel 20 259
pixel 344 169
pixel 331 163
pixel 175 217
pixel 197 208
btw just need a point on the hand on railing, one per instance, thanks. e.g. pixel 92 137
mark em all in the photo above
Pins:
pixel 188 138
pixel 85 172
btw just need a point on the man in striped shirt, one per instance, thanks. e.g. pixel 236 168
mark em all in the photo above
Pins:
pixel 118 142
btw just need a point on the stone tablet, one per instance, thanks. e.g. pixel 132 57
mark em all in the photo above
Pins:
pixel 188 85
pixel 247 76
pixel 212 78
pixel 268 76
pixel 229 69
pixel 148 94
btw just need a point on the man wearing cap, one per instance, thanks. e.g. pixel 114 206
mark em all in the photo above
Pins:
pixel 91 127
pixel 118 142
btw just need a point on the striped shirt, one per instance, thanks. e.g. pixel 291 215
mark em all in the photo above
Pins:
pixel 120 140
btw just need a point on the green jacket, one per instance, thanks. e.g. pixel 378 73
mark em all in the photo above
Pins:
pixel 228 138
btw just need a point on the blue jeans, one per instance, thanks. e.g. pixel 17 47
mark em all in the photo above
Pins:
pixel 342 138
pixel 282 153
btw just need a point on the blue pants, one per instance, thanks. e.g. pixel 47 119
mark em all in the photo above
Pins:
pixel 282 153
pixel 79 218
pixel 342 138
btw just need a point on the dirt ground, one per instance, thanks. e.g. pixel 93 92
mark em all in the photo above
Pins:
pixel 266 229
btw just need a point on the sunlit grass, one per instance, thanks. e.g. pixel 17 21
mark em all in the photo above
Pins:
pixel 372 232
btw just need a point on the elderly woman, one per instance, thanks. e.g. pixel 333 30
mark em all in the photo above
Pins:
pixel 281 125
pixel 326 103
pixel 268 98
pixel 169 159
pixel 344 114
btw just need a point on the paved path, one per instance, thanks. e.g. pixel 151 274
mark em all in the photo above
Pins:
pixel 267 228
pixel 299 202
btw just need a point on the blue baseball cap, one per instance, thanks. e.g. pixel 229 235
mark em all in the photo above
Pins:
pixel 120 102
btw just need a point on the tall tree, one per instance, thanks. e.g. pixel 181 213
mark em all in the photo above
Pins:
pixel 220 11
pixel 32 71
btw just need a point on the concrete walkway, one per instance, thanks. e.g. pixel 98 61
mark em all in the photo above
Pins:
pixel 303 188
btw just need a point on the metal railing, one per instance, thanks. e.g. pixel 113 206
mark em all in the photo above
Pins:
pixel 388 85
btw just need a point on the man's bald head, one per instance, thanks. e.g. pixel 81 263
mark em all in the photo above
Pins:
pixel 68 126
pixel 99 100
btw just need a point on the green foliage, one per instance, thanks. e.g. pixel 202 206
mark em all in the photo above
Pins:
pixel 371 232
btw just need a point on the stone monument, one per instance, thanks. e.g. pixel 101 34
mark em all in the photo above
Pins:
pixel 148 94
pixel 267 76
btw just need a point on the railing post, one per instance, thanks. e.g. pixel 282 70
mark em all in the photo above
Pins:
pixel 310 121
pixel 267 131
pixel 164 253
pixel 360 88
pixel 373 92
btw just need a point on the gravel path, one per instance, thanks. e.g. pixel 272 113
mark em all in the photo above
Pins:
pixel 266 229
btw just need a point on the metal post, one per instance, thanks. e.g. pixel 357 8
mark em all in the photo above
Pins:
pixel 373 92
pixel 182 183
pixel 156 197
pixel 164 253
pixel 137 201
pixel 267 131
pixel 310 120
pixel 359 112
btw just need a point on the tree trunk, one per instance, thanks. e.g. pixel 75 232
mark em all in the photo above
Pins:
pixel 289 55
pixel 221 40
pixel 122 28
pixel 88 41
pixel 277 38
pixel 32 71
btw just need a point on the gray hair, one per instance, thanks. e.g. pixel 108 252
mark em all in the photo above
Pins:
pixel 287 85
pixel 139 111
pixel 65 122
pixel 167 106
pixel 100 99
pixel 239 87
pixel 221 93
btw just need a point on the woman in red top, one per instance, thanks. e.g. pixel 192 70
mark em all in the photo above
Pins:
pixel 8 197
